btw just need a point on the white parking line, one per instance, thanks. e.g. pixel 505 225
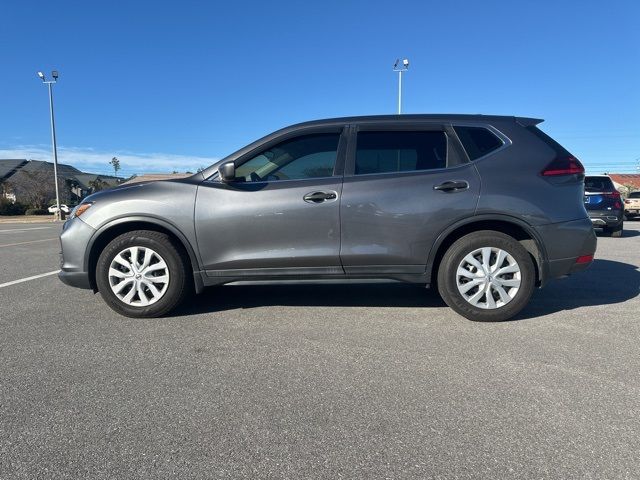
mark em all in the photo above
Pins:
pixel 23 229
pixel 8 284
pixel 30 241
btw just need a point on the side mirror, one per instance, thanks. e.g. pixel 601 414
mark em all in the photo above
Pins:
pixel 227 172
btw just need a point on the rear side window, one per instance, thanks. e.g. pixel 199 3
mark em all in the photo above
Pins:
pixel 559 149
pixel 477 141
pixel 396 151
pixel 598 184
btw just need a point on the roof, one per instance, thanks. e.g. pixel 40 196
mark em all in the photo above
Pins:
pixel 152 177
pixel 476 117
pixel 8 167
pixel 63 169
pixel 625 179
pixel 84 179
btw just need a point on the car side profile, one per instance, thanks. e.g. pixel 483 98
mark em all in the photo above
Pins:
pixel 485 208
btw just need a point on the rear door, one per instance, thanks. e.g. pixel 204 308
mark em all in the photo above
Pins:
pixel 403 186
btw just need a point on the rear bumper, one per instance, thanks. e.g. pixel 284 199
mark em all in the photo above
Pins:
pixel 565 242
pixel 605 218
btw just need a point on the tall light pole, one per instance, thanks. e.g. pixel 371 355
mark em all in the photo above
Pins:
pixel 400 68
pixel 49 83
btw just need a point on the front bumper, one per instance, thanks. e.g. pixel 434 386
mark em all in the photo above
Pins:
pixel 75 279
pixel 74 240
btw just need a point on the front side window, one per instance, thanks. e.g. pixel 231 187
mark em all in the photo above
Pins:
pixel 396 151
pixel 308 156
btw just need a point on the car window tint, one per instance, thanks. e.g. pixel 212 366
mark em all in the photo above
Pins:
pixel 477 141
pixel 383 152
pixel 598 184
pixel 308 156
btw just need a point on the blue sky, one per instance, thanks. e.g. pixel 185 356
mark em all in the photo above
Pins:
pixel 175 85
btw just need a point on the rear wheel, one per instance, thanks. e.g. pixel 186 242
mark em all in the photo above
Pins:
pixel 617 231
pixel 143 274
pixel 486 276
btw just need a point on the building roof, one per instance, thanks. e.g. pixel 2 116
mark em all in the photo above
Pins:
pixel 152 177
pixel 8 167
pixel 625 179
pixel 64 170
pixel 84 179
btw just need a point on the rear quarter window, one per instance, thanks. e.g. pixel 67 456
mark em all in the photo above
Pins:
pixel 478 141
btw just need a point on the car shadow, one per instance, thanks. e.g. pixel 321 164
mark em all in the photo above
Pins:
pixel 381 295
pixel 625 233
pixel 605 282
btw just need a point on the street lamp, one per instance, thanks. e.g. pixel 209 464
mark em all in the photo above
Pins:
pixel 49 83
pixel 400 67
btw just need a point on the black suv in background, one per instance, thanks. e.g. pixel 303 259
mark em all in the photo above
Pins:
pixel 603 204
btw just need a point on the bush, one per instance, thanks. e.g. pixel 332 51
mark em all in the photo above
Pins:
pixel 9 208
pixel 36 211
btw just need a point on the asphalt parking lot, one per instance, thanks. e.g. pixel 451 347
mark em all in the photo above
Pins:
pixel 318 381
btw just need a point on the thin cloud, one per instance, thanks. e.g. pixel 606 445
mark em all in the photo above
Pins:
pixel 93 161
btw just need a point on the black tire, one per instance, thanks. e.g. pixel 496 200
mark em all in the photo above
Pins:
pixel 180 279
pixel 617 232
pixel 447 274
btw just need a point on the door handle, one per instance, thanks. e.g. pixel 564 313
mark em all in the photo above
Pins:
pixel 452 186
pixel 319 197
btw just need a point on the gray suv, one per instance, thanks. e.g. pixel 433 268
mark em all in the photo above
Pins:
pixel 484 207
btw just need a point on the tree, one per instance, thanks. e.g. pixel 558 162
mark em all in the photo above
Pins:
pixel 97 185
pixel 34 188
pixel 115 163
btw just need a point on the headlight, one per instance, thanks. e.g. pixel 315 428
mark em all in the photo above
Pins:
pixel 80 209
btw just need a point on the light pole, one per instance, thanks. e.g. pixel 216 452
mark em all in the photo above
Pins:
pixel 400 68
pixel 49 83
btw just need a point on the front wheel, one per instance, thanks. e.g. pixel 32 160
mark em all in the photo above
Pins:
pixel 486 276
pixel 143 274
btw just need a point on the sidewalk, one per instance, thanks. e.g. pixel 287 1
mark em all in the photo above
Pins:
pixel 26 219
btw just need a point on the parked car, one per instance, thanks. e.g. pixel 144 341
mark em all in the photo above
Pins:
pixel 632 205
pixel 604 204
pixel 54 208
pixel 486 208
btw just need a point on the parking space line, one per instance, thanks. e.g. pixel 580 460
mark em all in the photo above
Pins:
pixel 7 284
pixel 10 230
pixel 30 241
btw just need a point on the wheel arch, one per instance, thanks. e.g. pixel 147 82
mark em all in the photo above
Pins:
pixel 111 230
pixel 514 227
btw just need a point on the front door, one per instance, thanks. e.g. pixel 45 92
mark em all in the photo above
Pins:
pixel 280 216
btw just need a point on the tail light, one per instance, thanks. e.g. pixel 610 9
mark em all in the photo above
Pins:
pixel 563 166
pixel 627 201
pixel 585 259
pixel 615 195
